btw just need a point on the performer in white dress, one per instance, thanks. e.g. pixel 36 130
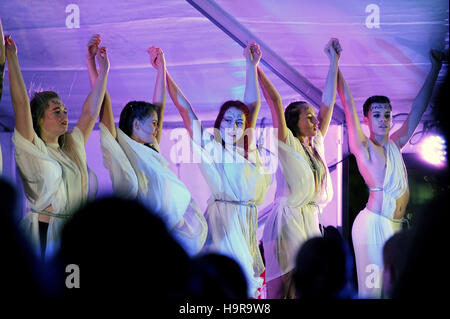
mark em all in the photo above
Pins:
pixel 303 179
pixel 51 161
pixel 230 164
pixel 137 169
pixel 381 165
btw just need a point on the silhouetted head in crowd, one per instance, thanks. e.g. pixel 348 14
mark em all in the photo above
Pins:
pixel 323 269
pixel 395 251
pixel 217 276
pixel 122 251
pixel 20 272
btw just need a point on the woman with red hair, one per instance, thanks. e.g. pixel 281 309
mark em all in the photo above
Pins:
pixel 232 168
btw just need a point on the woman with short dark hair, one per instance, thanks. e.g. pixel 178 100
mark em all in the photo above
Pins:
pixel 137 168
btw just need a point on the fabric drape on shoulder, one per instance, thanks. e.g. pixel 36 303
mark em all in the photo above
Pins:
pixel 395 180
pixel 139 172
pixel 123 178
pixel 51 178
pixel 294 216
pixel 232 227
pixel 155 180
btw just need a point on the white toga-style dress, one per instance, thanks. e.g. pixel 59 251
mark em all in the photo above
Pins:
pixel 237 185
pixel 294 216
pixel 50 177
pixel 139 172
pixel 371 230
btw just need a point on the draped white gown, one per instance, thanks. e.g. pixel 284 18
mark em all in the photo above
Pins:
pixel 294 216
pixel 50 177
pixel 139 172
pixel 237 185
pixel 371 230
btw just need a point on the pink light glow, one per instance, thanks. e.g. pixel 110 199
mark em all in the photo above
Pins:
pixel 433 150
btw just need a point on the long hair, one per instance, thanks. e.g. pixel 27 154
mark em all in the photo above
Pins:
pixel 225 107
pixel 139 110
pixel 292 115
pixel 38 105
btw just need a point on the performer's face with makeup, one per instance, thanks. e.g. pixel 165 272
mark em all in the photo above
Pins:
pixel 233 125
pixel 54 121
pixel 307 121
pixel 145 131
pixel 379 118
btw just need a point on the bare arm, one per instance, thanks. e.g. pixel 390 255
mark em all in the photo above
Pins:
pixel 252 97
pixel 159 93
pixel 333 50
pixel 106 113
pixel 273 98
pixel 404 133
pixel 356 137
pixel 190 120
pixel 93 102
pixel 19 95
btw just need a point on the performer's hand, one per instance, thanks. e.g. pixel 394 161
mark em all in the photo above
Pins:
pixel 252 53
pixel 157 58
pixel 102 60
pixel 10 46
pixel 333 50
pixel 92 46
pixel 436 58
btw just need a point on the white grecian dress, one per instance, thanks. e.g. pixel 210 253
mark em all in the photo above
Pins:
pixel 371 230
pixel 50 177
pixel 294 216
pixel 139 172
pixel 237 185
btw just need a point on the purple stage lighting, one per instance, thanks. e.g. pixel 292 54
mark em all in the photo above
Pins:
pixel 433 150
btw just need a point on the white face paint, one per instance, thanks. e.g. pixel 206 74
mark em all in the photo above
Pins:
pixel 146 130
pixel 379 118
pixel 233 125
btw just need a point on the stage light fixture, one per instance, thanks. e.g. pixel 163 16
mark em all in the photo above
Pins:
pixel 433 150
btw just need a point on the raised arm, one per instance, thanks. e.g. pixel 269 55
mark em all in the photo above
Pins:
pixel 356 137
pixel 2 58
pixel 404 133
pixel 333 51
pixel 252 97
pixel 106 113
pixel 190 120
pixel 19 95
pixel 273 98
pixel 93 102
pixel 159 93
